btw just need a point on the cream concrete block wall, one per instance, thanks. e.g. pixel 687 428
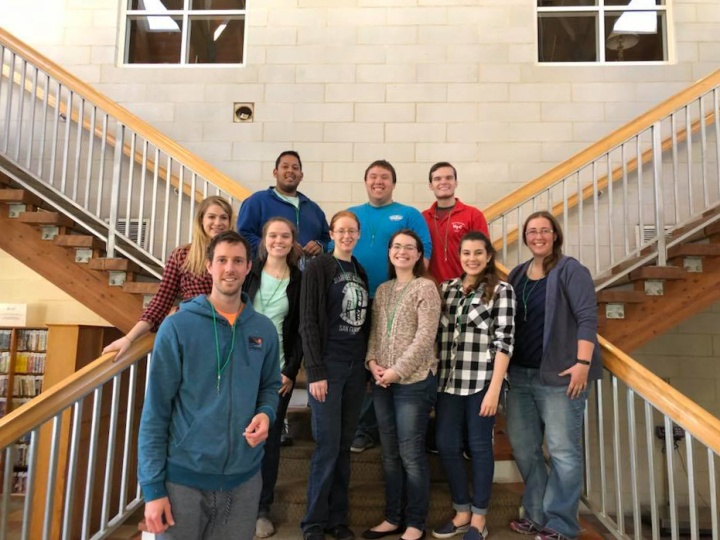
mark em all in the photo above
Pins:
pixel 46 303
pixel 349 81
pixel 688 357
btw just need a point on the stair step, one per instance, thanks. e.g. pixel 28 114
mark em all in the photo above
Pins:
pixel 621 297
pixel 79 241
pixel 141 287
pixel 367 503
pixel 19 196
pixel 117 265
pixel 46 218
pixel 658 272
pixel 694 250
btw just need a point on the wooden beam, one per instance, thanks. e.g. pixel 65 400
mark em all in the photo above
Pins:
pixel 682 299
pixel 57 265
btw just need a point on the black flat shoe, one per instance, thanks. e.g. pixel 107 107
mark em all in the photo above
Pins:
pixel 422 536
pixel 369 534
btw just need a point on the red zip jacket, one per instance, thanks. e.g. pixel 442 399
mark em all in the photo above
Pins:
pixel 446 233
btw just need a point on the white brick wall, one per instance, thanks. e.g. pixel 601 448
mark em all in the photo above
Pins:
pixel 413 81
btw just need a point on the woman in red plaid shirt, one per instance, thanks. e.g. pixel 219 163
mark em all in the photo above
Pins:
pixel 184 274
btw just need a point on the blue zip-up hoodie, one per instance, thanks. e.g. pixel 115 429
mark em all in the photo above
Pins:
pixel 309 220
pixel 191 433
pixel 570 315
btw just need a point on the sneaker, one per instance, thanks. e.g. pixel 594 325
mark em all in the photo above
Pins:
pixel 361 443
pixel 340 532
pixel 549 534
pixel 449 530
pixel 524 526
pixel 314 533
pixel 264 528
pixel 473 533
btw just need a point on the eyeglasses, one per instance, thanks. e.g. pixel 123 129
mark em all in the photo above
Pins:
pixel 406 247
pixel 342 232
pixel 541 232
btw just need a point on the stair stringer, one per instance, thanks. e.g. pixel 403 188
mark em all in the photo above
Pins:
pixel 58 266
pixel 682 299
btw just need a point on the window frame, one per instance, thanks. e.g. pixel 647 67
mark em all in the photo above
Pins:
pixel 126 14
pixel 600 9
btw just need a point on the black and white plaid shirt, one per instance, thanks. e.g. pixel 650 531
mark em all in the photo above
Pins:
pixel 470 335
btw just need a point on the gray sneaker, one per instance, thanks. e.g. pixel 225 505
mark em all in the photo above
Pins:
pixel 361 443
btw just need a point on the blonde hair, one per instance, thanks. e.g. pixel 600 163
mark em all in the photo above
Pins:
pixel 195 261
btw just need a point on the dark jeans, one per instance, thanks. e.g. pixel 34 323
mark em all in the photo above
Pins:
pixel 271 459
pixel 402 412
pixel 333 425
pixel 455 416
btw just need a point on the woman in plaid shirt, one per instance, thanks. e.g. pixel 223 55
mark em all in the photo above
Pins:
pixel 475 343
pixel 184 274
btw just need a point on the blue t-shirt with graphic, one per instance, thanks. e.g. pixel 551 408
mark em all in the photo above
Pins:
pixel 377 225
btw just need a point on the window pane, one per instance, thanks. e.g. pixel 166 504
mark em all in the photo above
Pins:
pixel 217 4
pixel 155 5
pixel 635 3
pixel 567 37
pixel 566 3
pixel 154 40
pixel 637 39
pixel 216 40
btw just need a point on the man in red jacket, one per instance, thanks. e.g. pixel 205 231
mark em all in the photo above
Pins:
pixel 448 220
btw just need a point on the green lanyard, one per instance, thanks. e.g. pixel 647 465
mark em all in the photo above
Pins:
pixel 220 368
pixel 395 304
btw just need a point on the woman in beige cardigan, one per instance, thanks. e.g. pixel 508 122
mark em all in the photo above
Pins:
pixel 401 357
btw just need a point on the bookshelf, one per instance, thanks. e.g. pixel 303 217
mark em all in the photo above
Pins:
pixel 22 369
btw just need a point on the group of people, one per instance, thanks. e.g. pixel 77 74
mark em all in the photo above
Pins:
pixel 412 304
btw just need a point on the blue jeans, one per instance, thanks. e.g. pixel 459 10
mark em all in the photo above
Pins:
pixel 402 413
pixel 271 459
pixel 535 410
pixel 454 416
pixel 333 426
pixel 367 425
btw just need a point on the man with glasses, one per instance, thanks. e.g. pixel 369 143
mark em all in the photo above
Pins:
pixel 448 219
pixel 380 218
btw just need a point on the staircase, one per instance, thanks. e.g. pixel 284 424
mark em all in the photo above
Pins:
pixel 88 172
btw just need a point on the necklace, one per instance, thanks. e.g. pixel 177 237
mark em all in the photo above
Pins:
pixel 526 297
pixel 277 288
pixel 220 368
pixel 394 303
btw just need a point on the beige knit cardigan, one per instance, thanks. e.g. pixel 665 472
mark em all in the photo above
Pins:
pixel 403 329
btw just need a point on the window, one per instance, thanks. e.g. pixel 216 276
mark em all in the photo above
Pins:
pixel 602 31
pixel 184 32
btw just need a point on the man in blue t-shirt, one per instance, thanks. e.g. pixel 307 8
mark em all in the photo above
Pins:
pixel 380 218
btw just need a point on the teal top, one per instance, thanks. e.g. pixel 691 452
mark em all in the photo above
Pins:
pixel 271 300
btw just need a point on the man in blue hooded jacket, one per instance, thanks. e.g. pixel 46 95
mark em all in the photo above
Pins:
pixel 284 200
pixel 211 397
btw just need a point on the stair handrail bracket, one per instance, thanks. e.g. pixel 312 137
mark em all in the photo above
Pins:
pixel 117 176
pixel 81 459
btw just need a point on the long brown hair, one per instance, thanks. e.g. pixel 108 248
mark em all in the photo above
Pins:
pixel 489 277
pixel 293 255
pixel 551 260
pixel 195 261
pixel 419 269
